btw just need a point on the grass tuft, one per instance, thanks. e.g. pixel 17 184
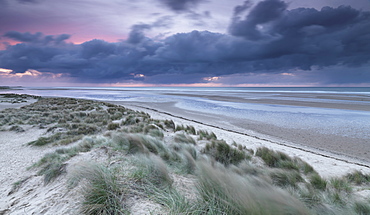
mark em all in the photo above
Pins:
pixel 358 177
pixel 52 171
pixel 224 192
pixel 340 184
pixel 182 138
pixel 203 134
pixel 274 159
pixel 113 126
pixel 102 192
pixel 317 182
pixel 224 153
pixel 151 170
pixel 286 178
pixel 362 208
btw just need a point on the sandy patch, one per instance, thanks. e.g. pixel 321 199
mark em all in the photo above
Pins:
pixel 16 157
pixel 5 105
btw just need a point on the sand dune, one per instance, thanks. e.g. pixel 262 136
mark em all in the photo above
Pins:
pixel 33 196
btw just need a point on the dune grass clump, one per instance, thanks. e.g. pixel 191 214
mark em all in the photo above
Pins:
pixel 181 158
pixel 188 129
pixel 156 133
pixel 57 138
pixel 274 159
pixel 16 128
pixel 362 207
pixel 225 192
pixel 317 182
pixel 151 170
pixel 52 171
pixel 131 120
pixel 141 144
pixel 52 165
pixel 341 184
pixel 203 134
pixel 113 126
pixel 180 128
pixel 137 144
pixel 175 202
pixel 358 177
pixel 307 168
pixel 224 153
pixel 183 138
pixel 102 191
pixel 169 124
pixel 285 178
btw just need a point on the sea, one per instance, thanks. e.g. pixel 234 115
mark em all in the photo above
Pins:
pixel 340 112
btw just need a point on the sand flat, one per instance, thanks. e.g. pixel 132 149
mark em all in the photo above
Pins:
pixel 327 100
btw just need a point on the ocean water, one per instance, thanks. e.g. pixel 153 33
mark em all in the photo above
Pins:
pixel 337 121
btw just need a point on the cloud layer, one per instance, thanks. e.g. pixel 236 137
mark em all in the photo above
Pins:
pixel 181 5
pixel 315 45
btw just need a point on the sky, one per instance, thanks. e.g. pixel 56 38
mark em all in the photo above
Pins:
pixel 185 43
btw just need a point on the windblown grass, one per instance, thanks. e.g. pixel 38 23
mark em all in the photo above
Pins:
pixel 102 191
pixel 53 164
pixel 206 135
pixel 362 208
pixel 224 153
pixel 358 177
pixel 224 192
pixel 183 138
pixel 341 184
pixel 276 159
pixel 285 178
pixel 317 182
pixel 151 170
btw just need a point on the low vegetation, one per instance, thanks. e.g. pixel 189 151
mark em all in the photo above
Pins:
pixel 146 159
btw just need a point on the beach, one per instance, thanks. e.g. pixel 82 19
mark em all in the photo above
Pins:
pixel 325 120
pixel 318 135
pixel 328 152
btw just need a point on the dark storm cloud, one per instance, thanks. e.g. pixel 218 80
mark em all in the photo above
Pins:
pixel 263 12
pixel 27 1
pixel 36 38
pixel 326 37
pixel 241 8
pixel 137 33
pixel 302 41
pixel 181 5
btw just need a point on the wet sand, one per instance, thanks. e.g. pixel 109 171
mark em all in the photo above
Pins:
pixel 327 100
